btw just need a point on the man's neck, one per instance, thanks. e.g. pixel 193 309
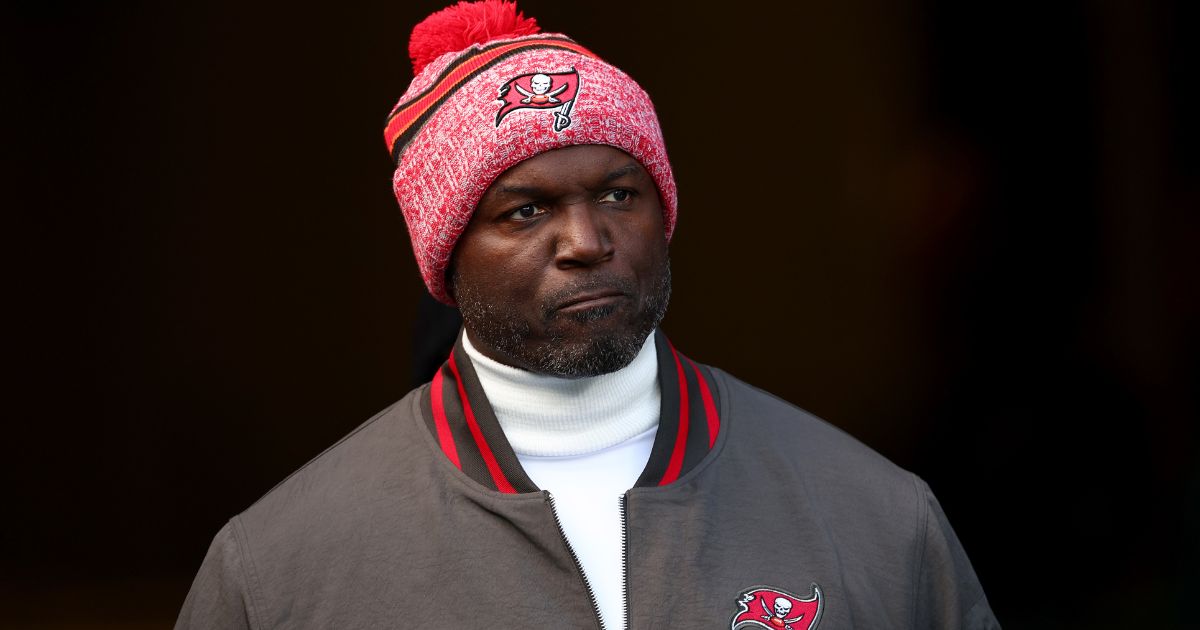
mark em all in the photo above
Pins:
pixel 551 416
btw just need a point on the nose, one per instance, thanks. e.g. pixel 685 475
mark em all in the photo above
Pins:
pixel 584 237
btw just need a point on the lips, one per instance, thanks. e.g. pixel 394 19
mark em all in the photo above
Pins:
pixel 590 299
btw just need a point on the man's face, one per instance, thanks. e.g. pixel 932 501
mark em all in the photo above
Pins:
pixel 563 268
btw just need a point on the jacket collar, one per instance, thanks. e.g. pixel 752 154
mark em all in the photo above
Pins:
pixel 462 422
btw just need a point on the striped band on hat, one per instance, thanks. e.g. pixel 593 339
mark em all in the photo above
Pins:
pixel 406 119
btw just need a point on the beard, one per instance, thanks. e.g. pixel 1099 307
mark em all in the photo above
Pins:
pixel 556 352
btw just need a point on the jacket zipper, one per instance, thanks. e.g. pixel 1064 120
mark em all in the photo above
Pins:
pixel 625 554
pixel 562 533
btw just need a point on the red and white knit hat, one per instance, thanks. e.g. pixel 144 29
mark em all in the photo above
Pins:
pixel 489 92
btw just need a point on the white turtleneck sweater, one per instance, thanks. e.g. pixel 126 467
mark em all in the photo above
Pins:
pixel 585 440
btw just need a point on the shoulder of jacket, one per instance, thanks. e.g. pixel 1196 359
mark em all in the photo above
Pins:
pixel 763 425
pixel 362 454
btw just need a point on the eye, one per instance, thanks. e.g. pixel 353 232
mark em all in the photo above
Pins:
pixel 526 212
pixel 619 195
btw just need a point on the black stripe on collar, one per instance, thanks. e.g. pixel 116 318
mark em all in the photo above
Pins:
pixel 463 423
pixel 688 422
pixel 477 445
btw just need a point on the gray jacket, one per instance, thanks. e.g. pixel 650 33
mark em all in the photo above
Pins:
pixel 748 507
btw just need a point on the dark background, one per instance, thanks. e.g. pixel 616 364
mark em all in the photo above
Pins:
pixel 964 232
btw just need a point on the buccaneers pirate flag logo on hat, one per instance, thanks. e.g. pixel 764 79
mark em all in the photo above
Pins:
pixel 773 609
pixel 540 90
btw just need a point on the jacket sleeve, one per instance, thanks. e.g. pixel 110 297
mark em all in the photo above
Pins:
pixel 219 597
pixel 949 595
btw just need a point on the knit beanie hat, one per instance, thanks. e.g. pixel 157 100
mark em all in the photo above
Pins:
pixel 488 92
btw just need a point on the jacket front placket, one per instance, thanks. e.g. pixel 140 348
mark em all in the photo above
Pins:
pixel 464 425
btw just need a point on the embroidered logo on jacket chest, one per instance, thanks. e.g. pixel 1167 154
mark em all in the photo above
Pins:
pixel 775 609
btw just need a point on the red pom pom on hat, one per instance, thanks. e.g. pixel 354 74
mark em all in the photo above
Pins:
pixel 456 27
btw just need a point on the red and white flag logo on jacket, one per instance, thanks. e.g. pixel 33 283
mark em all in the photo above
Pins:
pixel 773 609
pixel 541 91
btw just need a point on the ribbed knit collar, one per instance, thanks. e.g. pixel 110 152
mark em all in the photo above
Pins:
pixel 549 416
pixel 460 419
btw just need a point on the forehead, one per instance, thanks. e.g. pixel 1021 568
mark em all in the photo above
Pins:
pixel 567 165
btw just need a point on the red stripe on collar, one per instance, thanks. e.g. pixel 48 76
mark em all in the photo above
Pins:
pixel 676 463
pixel 444 437
pixel 710 407
pixel 489 459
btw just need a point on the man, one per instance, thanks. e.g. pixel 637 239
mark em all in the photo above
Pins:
pixel 568 467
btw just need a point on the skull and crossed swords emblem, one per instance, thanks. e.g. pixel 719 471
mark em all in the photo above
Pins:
pixel 541 94
pixel 778 613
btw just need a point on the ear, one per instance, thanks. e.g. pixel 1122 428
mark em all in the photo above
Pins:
pixel 450 279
